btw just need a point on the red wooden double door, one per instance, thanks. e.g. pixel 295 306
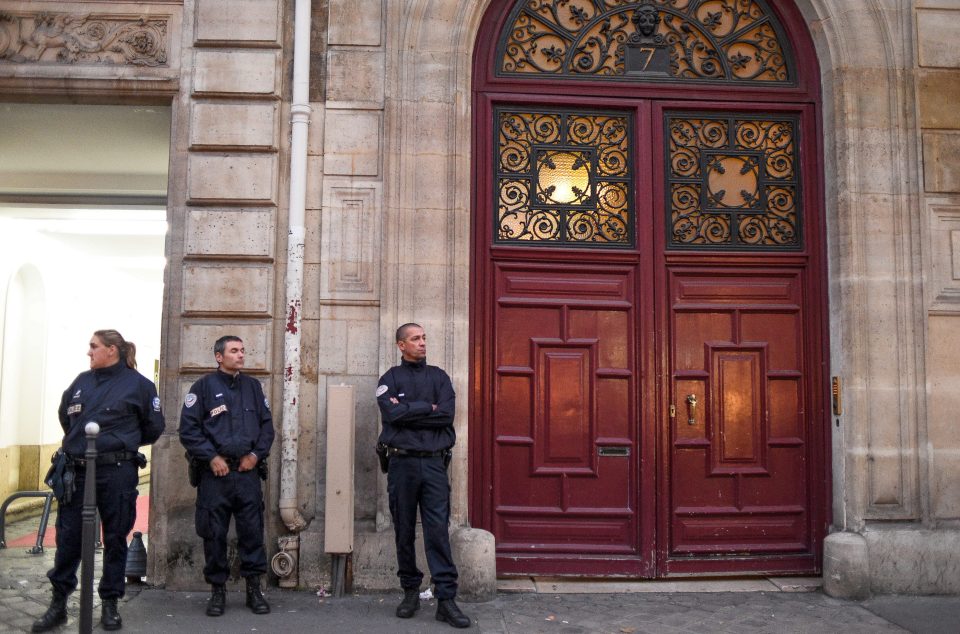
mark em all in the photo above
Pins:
pixel 650 402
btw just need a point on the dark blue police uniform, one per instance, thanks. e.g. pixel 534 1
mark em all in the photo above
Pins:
pixel 126 406
pixel 228 416
pixel 419 438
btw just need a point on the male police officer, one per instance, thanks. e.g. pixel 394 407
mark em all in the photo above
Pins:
pixel 226 427
pixel 417 404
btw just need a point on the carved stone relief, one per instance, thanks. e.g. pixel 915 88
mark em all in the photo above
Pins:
pixel 72 38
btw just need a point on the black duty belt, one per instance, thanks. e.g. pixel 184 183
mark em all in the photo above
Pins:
pixel 107 458
pixel 413 453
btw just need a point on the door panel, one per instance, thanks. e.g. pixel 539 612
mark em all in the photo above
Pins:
pixel 565 410
pixel 738 479
pixel 583 346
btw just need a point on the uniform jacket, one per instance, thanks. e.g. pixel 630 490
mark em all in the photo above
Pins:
pixel 119 399
pixel 227 416
pixel 412 424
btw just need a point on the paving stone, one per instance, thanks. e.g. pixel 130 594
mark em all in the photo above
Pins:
pixel 25 593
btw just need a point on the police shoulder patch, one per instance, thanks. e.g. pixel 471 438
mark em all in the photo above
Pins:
pixel 190 400
pixel 381 390
pixel 266 403
pixel 156 403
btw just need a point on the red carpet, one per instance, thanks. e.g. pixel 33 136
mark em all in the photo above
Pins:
pixel 49 538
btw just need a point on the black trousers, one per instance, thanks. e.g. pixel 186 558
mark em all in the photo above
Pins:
pixel 117 505
pixel 422 483
pixel 238 495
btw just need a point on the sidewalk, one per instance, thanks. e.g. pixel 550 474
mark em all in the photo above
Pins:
pixel 530 608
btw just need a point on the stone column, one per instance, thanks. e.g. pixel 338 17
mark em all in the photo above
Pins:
pixel 224 256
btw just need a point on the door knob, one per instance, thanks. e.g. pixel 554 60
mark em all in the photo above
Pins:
pixel 691 409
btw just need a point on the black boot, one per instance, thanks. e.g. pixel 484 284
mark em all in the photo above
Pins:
pixel 410 604
pixel 447 610
pixel 109 617
pixel 55 615
pixel 255 600
pixel 218 600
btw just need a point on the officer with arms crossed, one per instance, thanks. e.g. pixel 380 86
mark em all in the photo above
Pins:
pixel 226 427
pixel 417 405
pixel 125 405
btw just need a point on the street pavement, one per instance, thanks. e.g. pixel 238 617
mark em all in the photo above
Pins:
pixel 529 607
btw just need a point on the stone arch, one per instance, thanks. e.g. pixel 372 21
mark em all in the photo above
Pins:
pixel 874 247
pixel 873 241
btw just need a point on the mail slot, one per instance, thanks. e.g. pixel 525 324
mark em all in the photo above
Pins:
pixel 613 451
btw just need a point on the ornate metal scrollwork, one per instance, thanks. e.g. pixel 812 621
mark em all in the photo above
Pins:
pixel 563 177
pixel 719 40
pixel 732 182
pixel 66 38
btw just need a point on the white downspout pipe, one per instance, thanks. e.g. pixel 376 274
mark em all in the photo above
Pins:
pixel 300 124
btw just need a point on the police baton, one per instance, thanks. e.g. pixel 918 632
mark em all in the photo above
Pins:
pixel 89 538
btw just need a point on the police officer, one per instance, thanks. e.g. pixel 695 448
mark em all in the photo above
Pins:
pixel 417 405
pixel 126 406
pixel 225 425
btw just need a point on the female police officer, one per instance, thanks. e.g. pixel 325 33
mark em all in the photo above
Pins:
pixel 126 406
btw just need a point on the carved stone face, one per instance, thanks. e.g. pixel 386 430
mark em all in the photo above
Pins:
pixel 646 18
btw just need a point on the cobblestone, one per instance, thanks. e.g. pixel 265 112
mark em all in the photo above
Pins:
pixel 25 593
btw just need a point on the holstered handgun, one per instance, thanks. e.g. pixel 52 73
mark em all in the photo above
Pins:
pixel 383 456
pixel 61 477
pixel 193 469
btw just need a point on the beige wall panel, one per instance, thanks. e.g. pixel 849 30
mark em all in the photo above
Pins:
pixel 363 345
pixel 352 143
pixel 941 161
pixel 350 341
pixel 351 241
pixel 230 232
pixel 914 561
pixel 314 182
pixel 196 344
pixel 432 169
pixel 355 78
pixel 209 288
pixel 354 22
pixel 944 403
pixel 938 93
pixel 254 73
pixel 318 113
pixel 232 178
pixel 9 470
pixel 944 247
pixel 937 4
pixel 249 125
pixel 937 38
pixel 431 83
pixel 242 21
pixel 884 449
pixel 332 351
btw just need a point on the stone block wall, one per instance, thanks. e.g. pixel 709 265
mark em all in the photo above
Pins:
pixel 342 276
pixel 225 243
pixel 938 93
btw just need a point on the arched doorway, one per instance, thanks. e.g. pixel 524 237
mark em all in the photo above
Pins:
pixel 648 307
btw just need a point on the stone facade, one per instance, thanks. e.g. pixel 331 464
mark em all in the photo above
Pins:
pixel 388 240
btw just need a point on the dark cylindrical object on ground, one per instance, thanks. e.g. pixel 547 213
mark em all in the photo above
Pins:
pixel 136 559
pixel 89 515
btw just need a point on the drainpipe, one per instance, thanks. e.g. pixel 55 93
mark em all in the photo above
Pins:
pixel 300 123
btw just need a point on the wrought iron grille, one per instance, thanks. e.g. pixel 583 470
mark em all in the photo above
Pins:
pixel 563 178
pixel 714 40
pixel 732 182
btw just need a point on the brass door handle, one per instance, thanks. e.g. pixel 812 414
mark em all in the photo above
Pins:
pixel 691 409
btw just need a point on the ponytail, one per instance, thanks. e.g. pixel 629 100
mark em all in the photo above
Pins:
pixel 126 349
